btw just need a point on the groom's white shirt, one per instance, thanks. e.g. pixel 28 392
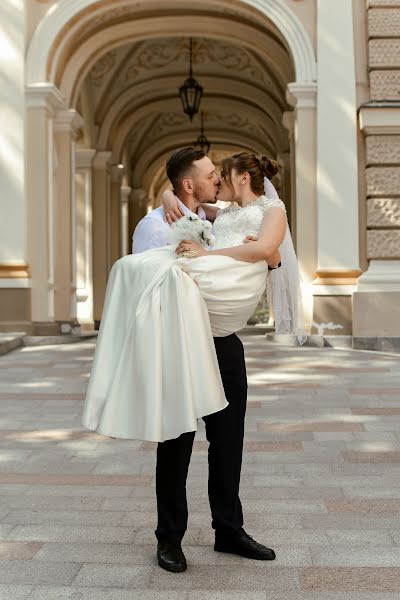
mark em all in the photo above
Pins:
pixel 151 231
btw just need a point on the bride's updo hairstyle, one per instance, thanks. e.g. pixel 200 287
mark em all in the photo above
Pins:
pixel 257 167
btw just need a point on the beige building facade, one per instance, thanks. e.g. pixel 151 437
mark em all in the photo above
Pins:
pixel 90 111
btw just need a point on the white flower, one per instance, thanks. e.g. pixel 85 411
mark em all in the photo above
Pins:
pixel 191 227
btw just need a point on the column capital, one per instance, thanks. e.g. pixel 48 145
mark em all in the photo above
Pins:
pixel 125 193
pixel 44 95
pixel 101 160
pixel 84 157
pixel 302 95
pixel 69 121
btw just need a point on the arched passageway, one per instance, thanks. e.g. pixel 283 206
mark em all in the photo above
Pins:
pixel 104 114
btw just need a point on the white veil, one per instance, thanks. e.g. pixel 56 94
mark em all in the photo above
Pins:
pixel 284 285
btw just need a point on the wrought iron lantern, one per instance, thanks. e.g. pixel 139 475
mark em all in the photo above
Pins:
pixel 202 141
pixel 191 91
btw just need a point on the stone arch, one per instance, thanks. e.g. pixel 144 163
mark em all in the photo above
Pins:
pixel 47 44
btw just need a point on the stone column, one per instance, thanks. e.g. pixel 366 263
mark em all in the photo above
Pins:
pixel 116 175
pixel 14 275
pixel 137 209
pixel 41 164
pixel 66 126
pixel 83 228
pixel 125 241
pixel 101 231
pixel 337 169
pixel 303 98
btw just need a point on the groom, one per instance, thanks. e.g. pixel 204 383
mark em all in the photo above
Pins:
pixel 196 182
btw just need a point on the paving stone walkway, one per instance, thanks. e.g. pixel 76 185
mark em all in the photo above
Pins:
pixel 320 484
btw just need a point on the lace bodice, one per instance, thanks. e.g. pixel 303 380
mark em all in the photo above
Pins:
pixel 234 223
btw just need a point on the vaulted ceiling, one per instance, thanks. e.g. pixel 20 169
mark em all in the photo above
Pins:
pixel 131 93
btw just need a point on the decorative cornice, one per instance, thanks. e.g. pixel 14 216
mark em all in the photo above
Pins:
pixel 44 95
pixel 302 95
pixel 84 157
pixel 68 120
pixel 380 119
pixel 101 160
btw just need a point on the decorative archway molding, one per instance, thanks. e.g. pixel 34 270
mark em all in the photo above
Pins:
pixel 45 48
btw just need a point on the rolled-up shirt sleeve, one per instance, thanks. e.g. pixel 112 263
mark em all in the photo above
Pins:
pixel 149 233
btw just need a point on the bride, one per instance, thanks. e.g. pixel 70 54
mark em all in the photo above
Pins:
pixel 155 369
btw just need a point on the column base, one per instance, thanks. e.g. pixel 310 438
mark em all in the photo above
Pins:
pixel 376 301
pixel 332 315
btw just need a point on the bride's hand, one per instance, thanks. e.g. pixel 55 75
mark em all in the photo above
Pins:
pixel 172 210
pixel 190 249
pixel 250 238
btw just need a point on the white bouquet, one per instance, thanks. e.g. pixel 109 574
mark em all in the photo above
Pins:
pixel 191 227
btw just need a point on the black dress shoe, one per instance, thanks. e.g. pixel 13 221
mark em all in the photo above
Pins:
pixel 243 545
pixel 170 557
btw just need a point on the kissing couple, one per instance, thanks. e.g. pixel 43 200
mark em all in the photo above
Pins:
pixel 167 352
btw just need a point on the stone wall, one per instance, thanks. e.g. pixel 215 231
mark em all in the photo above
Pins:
pixel 383 151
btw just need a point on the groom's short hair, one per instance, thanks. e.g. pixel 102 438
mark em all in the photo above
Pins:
pixel 180 162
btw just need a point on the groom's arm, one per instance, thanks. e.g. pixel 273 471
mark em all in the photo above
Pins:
pixel 149 233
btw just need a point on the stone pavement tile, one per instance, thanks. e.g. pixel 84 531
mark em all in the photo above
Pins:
pixel 31 501
pixel 77 517
pixel 372 457
pixel 355 480
pixel 283 506
pixel 70 533
pixel 393 410
pixel 244 577
pixel 14 592
pixel 276 480
pixel 350 579
pixel 5 531
pixel 362 537
pixel 97 593
pixel 387 506
pixel 375 391
pixel 311 426
pixel 111 575
pixel 96 491
pixel 19 550
pixel 131 504
pixel 34 572
pixel 340 556
pixel 372 493
pixel 86 480
pixel 349 521
pixel 381 469
pixel 99 552
pixel 395 535
pixel 231 595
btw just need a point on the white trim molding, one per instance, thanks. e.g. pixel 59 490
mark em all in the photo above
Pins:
pixel 11 283
pixel 380 120
pixel 381 276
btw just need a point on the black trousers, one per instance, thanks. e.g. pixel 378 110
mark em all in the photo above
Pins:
pixel 225 432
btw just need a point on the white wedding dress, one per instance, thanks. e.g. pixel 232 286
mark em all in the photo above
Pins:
pixel 155 370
